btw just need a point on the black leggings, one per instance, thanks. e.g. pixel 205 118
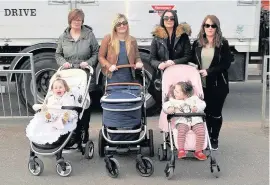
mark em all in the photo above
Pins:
pixel 86 119
pixel 214 99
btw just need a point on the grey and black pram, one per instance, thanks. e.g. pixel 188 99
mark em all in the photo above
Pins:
pixel 124 128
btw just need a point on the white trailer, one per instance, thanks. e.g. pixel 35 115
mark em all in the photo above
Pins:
pixel 34 26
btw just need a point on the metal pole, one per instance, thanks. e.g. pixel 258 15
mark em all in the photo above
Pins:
pixel 33 78
pixel 246 67
pixel 264 90
pixel 23 72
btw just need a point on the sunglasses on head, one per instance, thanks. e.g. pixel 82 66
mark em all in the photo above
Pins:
pixel 166 18
pixel 209 25
pixel 124 23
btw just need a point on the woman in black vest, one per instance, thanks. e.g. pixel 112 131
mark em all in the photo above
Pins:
pixel 212 54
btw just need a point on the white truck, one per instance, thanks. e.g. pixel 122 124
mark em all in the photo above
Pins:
pixel 33 26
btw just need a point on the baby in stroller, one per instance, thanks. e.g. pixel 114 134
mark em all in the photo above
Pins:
pixel 55 127
pixel 49 124
pixel 181 99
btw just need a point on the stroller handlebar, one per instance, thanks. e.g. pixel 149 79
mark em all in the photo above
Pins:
pixel 91 70
pixel 125 66
pixel 128 66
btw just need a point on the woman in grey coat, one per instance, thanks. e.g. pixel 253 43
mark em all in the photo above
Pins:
pixel 79 47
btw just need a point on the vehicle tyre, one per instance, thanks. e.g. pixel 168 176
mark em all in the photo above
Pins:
pixel 45 67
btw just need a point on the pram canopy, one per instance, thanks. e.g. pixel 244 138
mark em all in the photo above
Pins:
pixel 77 82
pixel 122 106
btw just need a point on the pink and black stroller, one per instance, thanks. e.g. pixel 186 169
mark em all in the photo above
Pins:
pixel 171 76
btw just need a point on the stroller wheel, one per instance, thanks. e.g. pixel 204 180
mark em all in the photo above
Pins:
pixel 169 171
pixel 151 143
pixel 168 152
pixel 63 168
pixel 214 167
pixel 162 154
pixel 35 166
pixel 215 171
pixel 112 167
pixel 101 144
pixel 144 166
pixel 89 150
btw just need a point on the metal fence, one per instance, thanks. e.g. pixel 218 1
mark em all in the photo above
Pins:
pixel 13 94
pixel 265 92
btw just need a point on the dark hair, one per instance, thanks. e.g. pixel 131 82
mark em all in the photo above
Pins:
pixel 175 19
pixel 186 87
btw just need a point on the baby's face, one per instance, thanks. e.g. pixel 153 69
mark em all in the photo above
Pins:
pixel 59 88
pixel 178 93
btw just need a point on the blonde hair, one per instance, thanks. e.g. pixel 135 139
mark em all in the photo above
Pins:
pixel 114 38
pixel 59 79
pixel 202 40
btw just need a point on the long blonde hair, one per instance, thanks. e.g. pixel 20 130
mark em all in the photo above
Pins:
pixel 114 39
pixel 202 40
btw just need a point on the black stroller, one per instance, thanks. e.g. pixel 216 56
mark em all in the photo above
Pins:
pixel 124 128
pixel 75 78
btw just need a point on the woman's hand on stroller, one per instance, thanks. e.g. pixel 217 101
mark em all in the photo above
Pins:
pixel 138 65
pixel 66 65
pixel 203 72
pixel 83 65
pixel 169 63
pixel 113 68
pixel 162 66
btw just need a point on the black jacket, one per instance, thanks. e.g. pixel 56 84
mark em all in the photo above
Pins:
pixel 182 48
pixel 218 70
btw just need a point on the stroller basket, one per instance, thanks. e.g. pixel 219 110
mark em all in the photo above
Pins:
pixel 136 131
pixel 50 149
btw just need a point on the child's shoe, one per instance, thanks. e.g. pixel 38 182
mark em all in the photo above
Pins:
pixel 200 156
pixel 181 154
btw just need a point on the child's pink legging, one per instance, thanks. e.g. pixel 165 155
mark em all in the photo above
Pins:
pixel 198 129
